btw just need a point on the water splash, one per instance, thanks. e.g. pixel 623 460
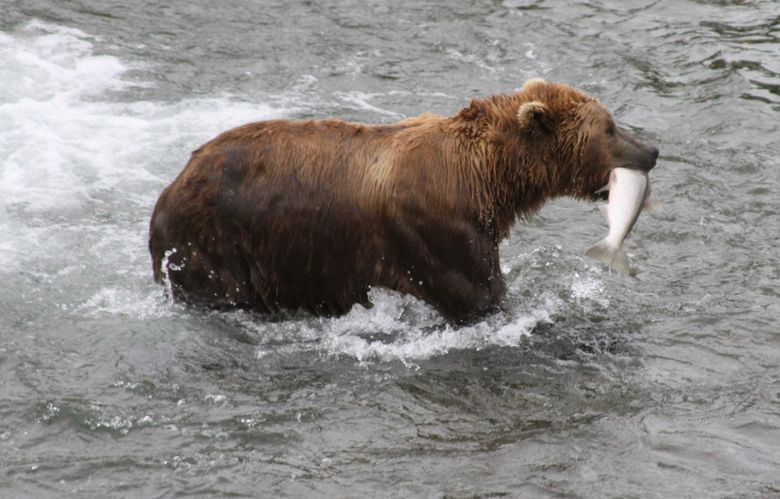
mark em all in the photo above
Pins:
pixel 397 328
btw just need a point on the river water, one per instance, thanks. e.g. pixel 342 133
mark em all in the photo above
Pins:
pixel 589 384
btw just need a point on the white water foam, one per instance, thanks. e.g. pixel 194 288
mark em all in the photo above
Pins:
pixel 62 137
pixel 399 328
pixel 587 288
pixel 69 147
pixel 415 344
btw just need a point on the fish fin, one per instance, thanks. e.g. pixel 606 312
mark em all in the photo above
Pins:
pixel 652 203
pixel 620 262
pixel 614 256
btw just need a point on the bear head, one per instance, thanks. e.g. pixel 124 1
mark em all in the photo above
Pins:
pixel 582 136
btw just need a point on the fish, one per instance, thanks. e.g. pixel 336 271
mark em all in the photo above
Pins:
pixel 629 193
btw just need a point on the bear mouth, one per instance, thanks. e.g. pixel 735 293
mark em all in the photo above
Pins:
pixel 602 193
pixel 635 166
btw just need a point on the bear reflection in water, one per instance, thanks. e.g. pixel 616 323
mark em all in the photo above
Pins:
pixel 311 214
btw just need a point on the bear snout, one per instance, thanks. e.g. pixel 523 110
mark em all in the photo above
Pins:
pixel 653 158
pixel 654 152
pixel 628 151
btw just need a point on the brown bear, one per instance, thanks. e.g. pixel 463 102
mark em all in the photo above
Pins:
pixel 312 214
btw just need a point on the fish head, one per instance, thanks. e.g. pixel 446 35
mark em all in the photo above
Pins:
pixel 604 147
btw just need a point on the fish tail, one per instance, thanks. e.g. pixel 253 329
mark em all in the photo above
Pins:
pixel 613 255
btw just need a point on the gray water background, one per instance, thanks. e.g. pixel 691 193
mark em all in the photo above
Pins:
pixel 588 385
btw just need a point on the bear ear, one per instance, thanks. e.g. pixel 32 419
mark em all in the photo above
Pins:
pixel 532 115
pixel 532 82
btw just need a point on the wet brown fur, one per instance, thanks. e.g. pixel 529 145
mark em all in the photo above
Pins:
pixel 312 214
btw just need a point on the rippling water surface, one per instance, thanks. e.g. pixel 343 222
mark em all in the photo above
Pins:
pixel 587 385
